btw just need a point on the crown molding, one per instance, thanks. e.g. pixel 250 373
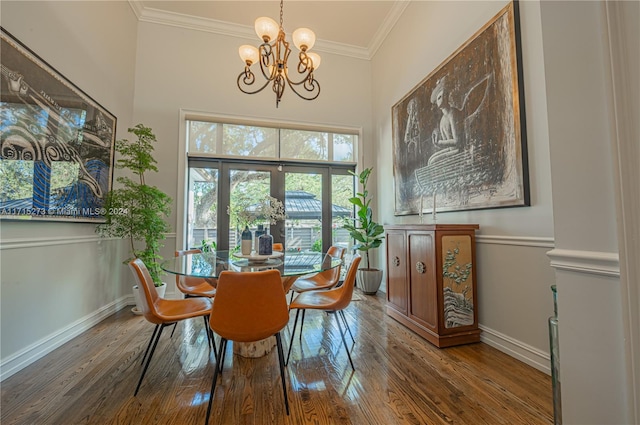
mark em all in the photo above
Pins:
pixel 162 17
pixel 390 21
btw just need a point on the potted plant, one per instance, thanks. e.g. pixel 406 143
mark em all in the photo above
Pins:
pixel 137 211
pixel 367 234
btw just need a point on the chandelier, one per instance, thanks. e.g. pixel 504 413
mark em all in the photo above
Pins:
pixel 273 55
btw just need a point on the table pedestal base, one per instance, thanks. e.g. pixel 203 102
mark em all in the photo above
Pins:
pixel 254 349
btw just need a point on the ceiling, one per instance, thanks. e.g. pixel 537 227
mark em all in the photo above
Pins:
pixel 353 28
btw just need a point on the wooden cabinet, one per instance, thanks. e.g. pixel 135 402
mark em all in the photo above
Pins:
pixel 431 281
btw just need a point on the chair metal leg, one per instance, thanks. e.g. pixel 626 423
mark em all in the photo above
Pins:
pixel 344 341
pixel 292 293
pixel 292 335
pixel 346 324
pixel 302 324
pixel 210 337
pixel 213 342
pixel 206 328
pixel 146 366
pixel 223 343
pixel 281 360
pixel 175 325
pixel 155 329
pixel 223 350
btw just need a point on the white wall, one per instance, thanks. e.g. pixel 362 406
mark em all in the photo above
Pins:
pixel 514 276
pixel 58 279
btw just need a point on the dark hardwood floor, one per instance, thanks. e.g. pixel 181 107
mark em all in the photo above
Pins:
pixel 399 379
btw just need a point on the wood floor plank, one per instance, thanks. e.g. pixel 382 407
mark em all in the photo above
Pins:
pixel 399 379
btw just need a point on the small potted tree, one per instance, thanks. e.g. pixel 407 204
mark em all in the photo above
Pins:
pixel 137 211
pixel 367 233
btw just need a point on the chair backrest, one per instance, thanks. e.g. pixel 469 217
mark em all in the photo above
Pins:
pixel 249 306
pixel 333 274
pixel 185 283
pixel 346 290
pixel 148 293
pixel 277 246
pixel 336 251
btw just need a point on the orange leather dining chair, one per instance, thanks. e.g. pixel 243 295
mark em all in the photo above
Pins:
pixel 277 246
pixel 248 307
pixel 163 312
pixel 322 280
pixel 333 301
pixel 194 286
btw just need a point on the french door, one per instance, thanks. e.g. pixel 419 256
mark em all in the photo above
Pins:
pixel 315 199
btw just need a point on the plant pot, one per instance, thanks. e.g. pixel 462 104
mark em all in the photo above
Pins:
pixel 369 280
pixel 136 295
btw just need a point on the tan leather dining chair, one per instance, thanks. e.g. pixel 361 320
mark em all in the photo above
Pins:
pixel 277 246
pixel 162 312
pixel 322 280
pixel 248 307
pixel 333 301
pixel 194 286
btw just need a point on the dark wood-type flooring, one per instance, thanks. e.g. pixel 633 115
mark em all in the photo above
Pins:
pixel 399 379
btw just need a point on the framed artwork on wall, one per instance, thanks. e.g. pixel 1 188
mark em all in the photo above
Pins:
pixel 56 142
pixel 459 137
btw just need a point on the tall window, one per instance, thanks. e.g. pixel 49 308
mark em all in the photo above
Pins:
pixel 233 167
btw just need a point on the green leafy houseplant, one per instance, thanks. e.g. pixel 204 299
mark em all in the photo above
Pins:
pixel 137 211
pixel 366 232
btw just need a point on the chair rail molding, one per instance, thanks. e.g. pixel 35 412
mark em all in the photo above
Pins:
pixel 591 262
pixel 21 243
pixel 532 241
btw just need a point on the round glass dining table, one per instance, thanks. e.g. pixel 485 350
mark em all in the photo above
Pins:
pixel 291 264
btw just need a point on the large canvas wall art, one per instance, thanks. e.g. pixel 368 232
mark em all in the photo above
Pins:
pixel 459 136
pixel 56 142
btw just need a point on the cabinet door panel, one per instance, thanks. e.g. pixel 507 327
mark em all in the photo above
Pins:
pixel 423 297
pixel 397 271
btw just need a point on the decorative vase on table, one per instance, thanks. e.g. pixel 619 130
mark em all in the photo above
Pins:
pixel 247 239
pixel 259 232
pixel 265 244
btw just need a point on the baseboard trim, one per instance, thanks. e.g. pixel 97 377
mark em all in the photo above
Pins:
pixel 23 358
pixel 525 353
